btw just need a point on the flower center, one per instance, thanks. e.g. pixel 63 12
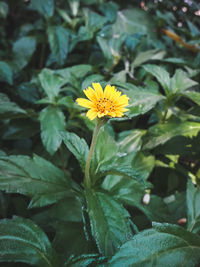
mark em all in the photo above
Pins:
pixel 105 105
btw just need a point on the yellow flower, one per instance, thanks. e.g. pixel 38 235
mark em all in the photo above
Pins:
pixel 101 103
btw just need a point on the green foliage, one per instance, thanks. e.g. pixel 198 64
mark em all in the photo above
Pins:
pixel 141 205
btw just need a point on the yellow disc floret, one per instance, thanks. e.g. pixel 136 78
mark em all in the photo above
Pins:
pixel 101 103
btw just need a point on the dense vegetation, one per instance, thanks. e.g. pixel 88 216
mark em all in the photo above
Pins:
pixel 142 207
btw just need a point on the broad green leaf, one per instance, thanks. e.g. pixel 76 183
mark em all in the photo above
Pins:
pixel 86 260
pixel 6 74
pixel 3 9
pixel 163 245
pixel 193 207
pixel 59 42
pixel 180 82
pixel 109 222
pixel 36 178
pixel 194 96
pixel 23 50
pixel 133 21
pixel 130 192
pixel 52 122
pixel 142 57
pixel 23 241
pixel 51 83
pixel 141 101
pixel 161 75
pixel 28 92
pixel 8 109
pixel 161 133
pixel 77 71
pixel 94 21
pixel 105 152
pixel 91 79
pixel 44 7
pixel 77 146
pixel 109 9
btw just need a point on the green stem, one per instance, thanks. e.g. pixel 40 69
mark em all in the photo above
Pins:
pixel 97 128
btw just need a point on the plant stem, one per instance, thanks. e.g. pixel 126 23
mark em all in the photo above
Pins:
pixel 98 125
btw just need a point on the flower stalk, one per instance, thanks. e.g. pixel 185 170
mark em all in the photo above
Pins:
pixel 99 124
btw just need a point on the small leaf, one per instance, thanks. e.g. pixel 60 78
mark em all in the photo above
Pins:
pixel 77 146
pixel 163 245
pixel 6 74
pixel 23 50
pixel 52 122
pixel 161 133
pixel 161 75
pixel 193 207
pixel 36 178
pixel 91 79
pixel 9 109
pixel 180 82
pixel 194 96
pixel 44 7
pixel 59 43
pixel 51 83
pixel 109 222
pixel 146 56
pixel 23 241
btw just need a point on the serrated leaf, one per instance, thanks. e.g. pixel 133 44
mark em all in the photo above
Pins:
pixel 44 7
pixel 86 260
pixel 161 133
pixel 105 152
pixel 160 74
pixel 51 83
pixel 59 42
pixel 109 222
pixel 36 178
pixel 52 122
pixel 146 56
pixel 6 74
pixel 23 50
pixel 8 109
pixel 77 146
pixel 23 241
pixel 163 245
pixel 193 207
pixel 180 82
pixel 130 192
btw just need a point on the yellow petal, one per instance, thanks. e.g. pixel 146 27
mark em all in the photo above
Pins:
pixel 97 87
pixel 90 93
pixel 91 114
pixel 84 103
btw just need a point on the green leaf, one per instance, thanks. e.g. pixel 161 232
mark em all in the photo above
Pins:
pixel 23 50
pixel 44 7
pixel 8 109
pixel 36 178
pixel 109 222
pixel 51 83
pixel 23 241
pixel 141 101
pixel 194 96
pixel 77 146
pixel 160 74
pixel 28 92
pixel 3 10
pixel 91 79
pixel 147 55
pixel 86 260
pixel 94 21
pixel 164 245
pixel 6 74
pixel 59 43
pixel 105 152
pixel 193 207
pixel 161 133
pixel 180 82
pixel 130 192
pixel 52 122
